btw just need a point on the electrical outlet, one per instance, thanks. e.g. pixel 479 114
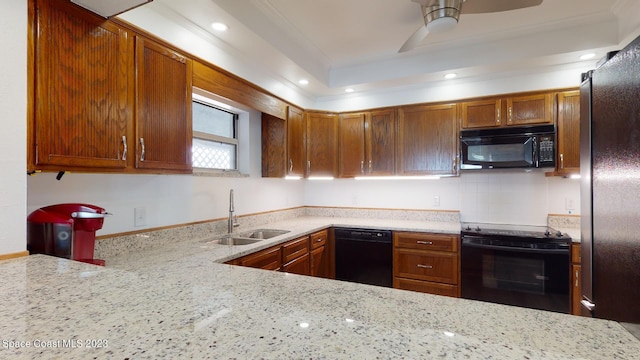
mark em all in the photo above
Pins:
pixel 568 203
pixel 140 216
pixel 436 200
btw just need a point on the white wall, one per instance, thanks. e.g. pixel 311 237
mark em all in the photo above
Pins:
pixel 13 107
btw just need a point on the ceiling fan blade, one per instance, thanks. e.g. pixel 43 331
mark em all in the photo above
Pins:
pixel 415 39
pixel 491 6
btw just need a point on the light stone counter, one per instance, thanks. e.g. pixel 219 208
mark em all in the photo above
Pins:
pixel 178 301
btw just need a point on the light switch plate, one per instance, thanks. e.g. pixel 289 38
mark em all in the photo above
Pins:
pixel 140 216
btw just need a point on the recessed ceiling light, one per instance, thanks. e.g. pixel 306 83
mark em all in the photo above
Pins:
pixel 303 82
pixel 587 56
pixel 218 26
pixel 349 90
pixel 450 76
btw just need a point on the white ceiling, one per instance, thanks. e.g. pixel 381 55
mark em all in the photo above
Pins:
pixel 337 44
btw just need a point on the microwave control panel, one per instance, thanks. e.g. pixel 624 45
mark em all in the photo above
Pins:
pixel 546 149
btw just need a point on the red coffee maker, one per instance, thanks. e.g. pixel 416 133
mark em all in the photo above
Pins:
pixel 65 230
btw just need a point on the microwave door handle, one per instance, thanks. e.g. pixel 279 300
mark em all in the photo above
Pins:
pixel 535 152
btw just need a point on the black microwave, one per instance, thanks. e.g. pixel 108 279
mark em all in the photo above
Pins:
pixel 512 147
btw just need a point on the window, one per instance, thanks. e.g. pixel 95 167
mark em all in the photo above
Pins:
pixel 215 136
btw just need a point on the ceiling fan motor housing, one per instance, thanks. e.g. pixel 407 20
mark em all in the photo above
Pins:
pixel 441 15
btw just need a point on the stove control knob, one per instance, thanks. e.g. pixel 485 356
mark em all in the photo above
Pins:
pixel 468 228
pixel 559 234
pixel 477 228
pixel 547 233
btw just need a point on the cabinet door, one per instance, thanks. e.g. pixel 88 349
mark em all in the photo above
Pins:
pixel 481 113
pixel 576 290
pixel 163 99
pixel 322 144
pixel 274 150
pixel 299 265
pixel 568 132
pixel 268 259
pixel 296 144
pixel 351 143
pixel 318 261
pixel 427 140
pixel 380 135
pixel 530 109
pixel 83 90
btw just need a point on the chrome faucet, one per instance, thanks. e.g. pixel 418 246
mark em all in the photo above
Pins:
pixel 233 220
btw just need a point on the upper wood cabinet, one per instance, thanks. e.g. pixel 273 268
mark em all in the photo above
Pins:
pixel 322 144
pixel 530 109
pixel 296 142
pixel 274 150
pixel 427 140
pixel 352 145
pixel 82 98
pixel 517 110
pixel 367 143
pixel 568 133
pixel 163 103
pixel 481 113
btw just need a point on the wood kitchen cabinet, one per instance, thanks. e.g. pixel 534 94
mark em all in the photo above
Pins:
pixel 274 154
pixel 296 142
pixel 163 108
pixel 427 140
pixel 514 110
pixel 83 90
pixel 322 144
pixel 320 259
pixel 295 256
pixel 367 143
pixel 568 128
pixel 104 98
pixel 576 284
pixel 268 259
pixel 426 262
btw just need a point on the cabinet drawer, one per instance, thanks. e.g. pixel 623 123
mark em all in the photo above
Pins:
pixel 268 259
pixel 319 239
pixel 426 287
pixel 425 241
pixel 576 254
pixel 299 265
pixel 426 265
pixel 295 248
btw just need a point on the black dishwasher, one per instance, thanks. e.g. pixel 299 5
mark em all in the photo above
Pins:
pixel 364 256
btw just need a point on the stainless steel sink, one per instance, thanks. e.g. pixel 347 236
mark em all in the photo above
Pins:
pixel 237 241
pixel 262 234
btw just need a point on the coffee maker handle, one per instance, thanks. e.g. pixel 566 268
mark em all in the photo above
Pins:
pixel 89 215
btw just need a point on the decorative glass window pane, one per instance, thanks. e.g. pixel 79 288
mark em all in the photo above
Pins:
pixel 211 120
pixel 213 155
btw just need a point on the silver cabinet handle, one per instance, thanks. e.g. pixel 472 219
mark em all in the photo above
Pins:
pixel 308 166
pixel 125 149
pixel 362 166
pixel 320 240
pixel 561 161
pixel 498 119
pixel 142 149
pixel 588 304
pixel 510 115
pixel 370 167
pixel 425 266
pixel 290 165
pixel 577 278
pixel 424 242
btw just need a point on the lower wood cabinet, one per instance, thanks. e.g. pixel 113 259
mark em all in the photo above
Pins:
pixel 576 284
pixel 306 255
pixel 295 256
pixel 426 262
pixel 268 259
pixel 319 254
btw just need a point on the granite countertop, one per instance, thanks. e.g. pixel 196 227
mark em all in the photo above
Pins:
pixel 181 302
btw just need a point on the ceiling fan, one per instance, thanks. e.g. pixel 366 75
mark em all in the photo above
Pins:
pixel 443 15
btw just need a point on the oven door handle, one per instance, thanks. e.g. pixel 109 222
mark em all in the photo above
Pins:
pixel 470 243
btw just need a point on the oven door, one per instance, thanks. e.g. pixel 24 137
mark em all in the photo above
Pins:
pixel 515 275
pixel 515 151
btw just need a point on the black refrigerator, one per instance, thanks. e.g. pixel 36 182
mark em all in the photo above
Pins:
pixel 610 187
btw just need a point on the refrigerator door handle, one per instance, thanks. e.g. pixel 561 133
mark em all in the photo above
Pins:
pixel 587 304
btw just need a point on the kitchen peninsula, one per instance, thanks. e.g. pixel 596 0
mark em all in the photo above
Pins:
pixel 179 301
